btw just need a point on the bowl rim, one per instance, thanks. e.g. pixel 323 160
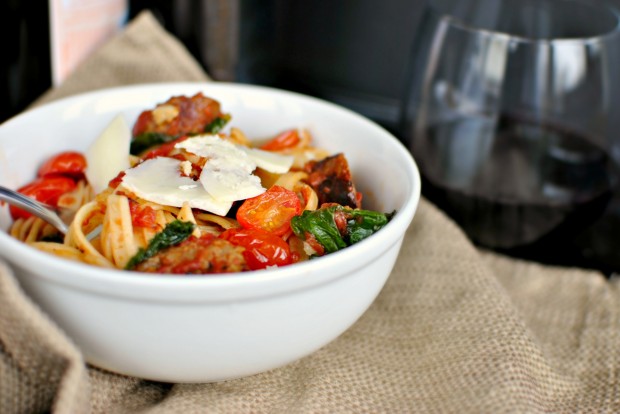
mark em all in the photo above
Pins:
pixel 108 281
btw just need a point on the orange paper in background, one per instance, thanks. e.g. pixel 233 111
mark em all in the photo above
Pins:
pixel 78 27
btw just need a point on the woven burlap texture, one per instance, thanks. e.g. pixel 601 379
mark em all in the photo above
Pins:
pixel 454 329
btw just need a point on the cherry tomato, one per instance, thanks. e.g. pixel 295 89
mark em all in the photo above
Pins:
pixel 69 163
pixel 45 189
pixel 271 211
pixel 285 140
pixel 262 249
pixel 143 216
pixel 145 119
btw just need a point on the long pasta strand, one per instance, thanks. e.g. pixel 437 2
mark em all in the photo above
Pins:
pixel 76 237
pixel 117 238
pixel 186 214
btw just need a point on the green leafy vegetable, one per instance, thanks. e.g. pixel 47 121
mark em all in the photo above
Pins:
pixel 148 140
pixel 322 225
pixel 174 233
pixel 217 124
pixel 363 223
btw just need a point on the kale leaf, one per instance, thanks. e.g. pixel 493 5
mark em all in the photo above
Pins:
pixel 174 233
pixel 217 124
pixel 321 224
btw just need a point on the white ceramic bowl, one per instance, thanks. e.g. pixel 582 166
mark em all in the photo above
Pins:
pixel 211 328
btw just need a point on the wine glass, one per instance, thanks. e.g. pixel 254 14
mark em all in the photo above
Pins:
pixel 512 115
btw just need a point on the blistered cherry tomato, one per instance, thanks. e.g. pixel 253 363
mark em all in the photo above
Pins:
pixel 45 189
pixel 143 216
pixel 69 163
pixel 271 211
pixel 285 140
pixel 262 249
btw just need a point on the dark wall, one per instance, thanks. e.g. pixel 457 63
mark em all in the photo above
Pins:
pixel 25 71
pixel 353 52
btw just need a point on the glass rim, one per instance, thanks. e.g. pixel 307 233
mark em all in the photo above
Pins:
pixel 463 25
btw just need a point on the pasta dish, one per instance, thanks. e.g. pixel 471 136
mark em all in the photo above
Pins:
pixel 183 192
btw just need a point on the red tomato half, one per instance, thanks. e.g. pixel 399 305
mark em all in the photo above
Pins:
pixel 69 163
pixel 285 140
pixel 143 216
pixel 45 189
pixel 271 211
pixel 262 249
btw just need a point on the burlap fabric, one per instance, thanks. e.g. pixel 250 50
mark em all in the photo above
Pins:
pixel 454 330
